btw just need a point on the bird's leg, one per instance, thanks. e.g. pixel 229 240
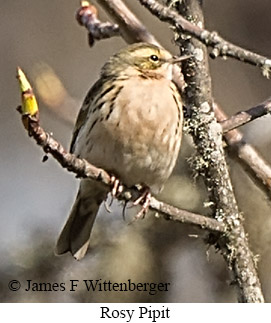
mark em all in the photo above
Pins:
pixel 144 199
pixel 116 189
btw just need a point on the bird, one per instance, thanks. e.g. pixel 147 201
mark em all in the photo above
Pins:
pixel 130 124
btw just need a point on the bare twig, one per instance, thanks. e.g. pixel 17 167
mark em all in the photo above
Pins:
pixel 248 155
pixel 128 25
pixel 87 16
pixel 220 46
pixel 131 28
pixel 244 117
pixel 83 169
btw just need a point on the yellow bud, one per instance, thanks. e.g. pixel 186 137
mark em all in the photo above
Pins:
pixel 29 102
pixel 84 3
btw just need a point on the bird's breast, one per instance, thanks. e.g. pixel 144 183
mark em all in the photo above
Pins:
pixel 139 134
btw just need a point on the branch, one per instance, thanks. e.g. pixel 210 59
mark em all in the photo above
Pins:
pixel 128 26
pixel 220 46
pixel 87 16
pixel 244 117
pixel 131 28
pixel 211 162
pixel 248 155
pixel 83 169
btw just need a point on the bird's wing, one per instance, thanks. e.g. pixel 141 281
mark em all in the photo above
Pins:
pixel 83 113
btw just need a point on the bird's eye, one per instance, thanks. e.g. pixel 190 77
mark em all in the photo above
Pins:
pixel 154 58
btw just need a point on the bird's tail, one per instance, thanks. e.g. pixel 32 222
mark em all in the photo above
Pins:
pixel 75 235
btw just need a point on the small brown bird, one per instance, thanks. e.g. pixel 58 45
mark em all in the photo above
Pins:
pixel 130 124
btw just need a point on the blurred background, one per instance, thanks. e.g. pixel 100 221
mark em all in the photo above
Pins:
pixel 44 39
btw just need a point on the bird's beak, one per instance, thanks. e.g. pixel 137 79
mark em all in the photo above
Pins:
pixel 178 59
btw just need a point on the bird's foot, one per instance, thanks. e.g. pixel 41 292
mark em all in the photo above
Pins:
pixel 144 199
pixel 116 189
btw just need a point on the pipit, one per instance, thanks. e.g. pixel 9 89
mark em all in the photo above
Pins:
pixel 130 124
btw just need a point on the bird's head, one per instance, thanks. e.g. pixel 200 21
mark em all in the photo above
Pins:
pixel 141 59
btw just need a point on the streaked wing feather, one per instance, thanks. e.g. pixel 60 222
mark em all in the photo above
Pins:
pixel 84 111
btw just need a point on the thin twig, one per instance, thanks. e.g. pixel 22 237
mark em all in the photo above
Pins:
pixel 131 28
pixel 220 46
pixel 87 16
pixel 243 117
pixel 128 26
pixel 248 155
pixel 84 169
